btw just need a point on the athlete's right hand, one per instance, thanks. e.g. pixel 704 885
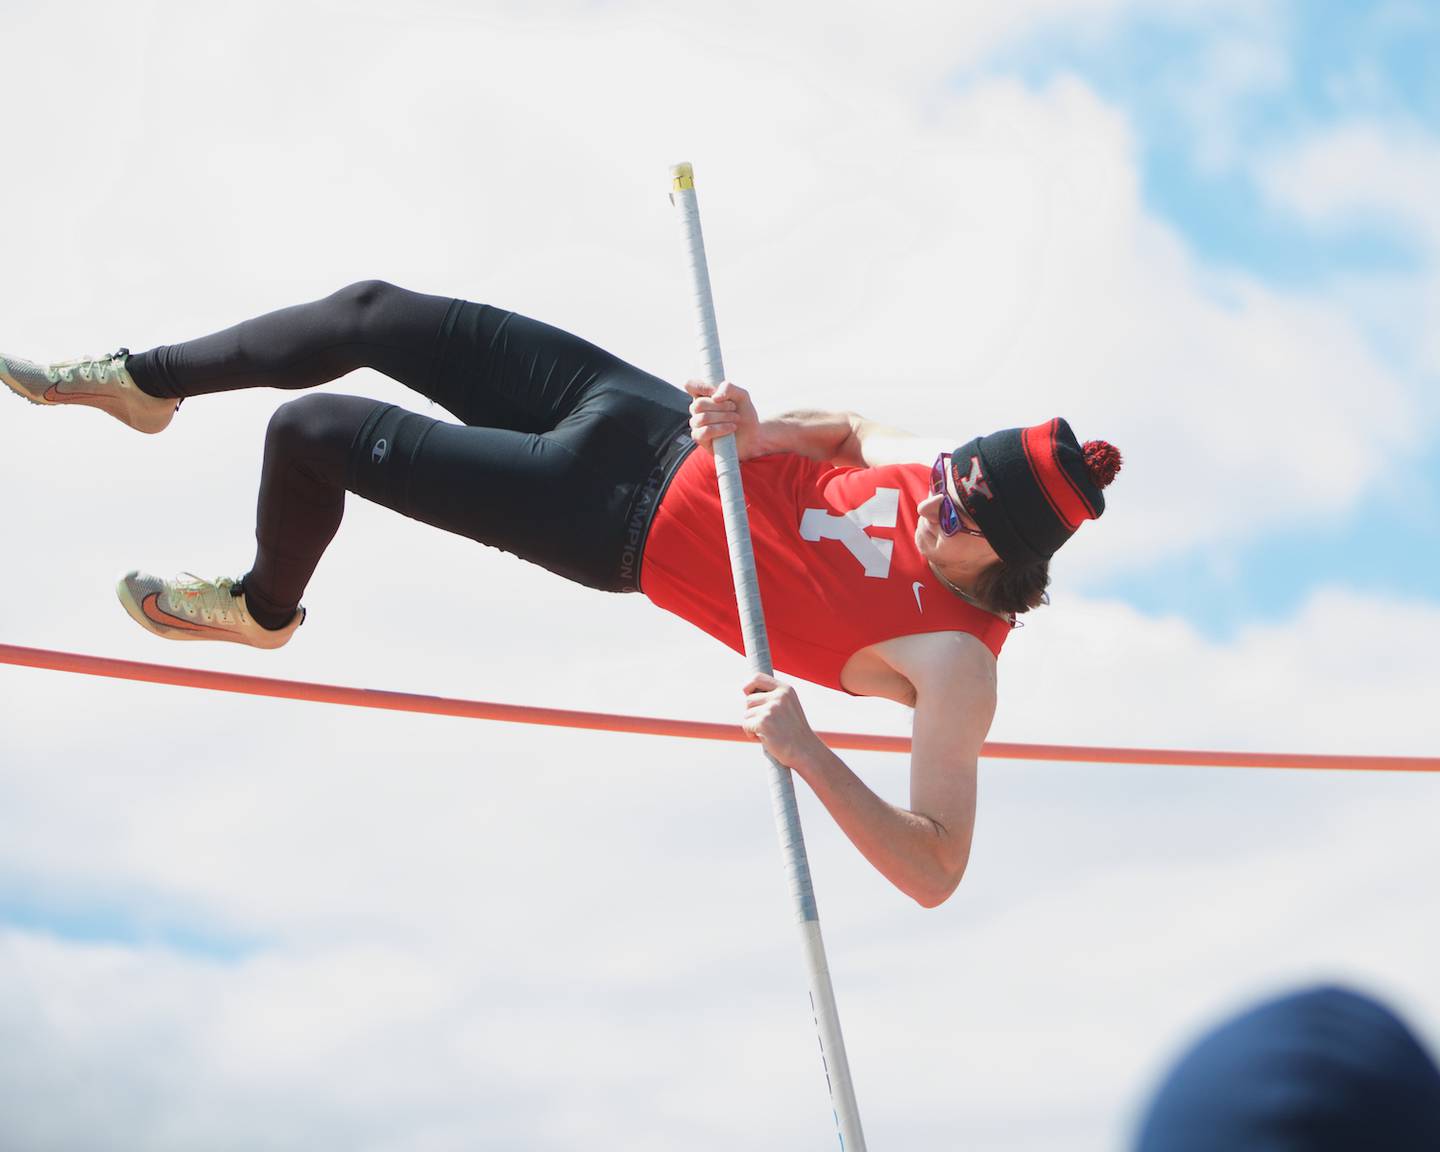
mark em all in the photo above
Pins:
pixel 722 410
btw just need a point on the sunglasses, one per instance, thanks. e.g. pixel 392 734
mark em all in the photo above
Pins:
pixel 950 522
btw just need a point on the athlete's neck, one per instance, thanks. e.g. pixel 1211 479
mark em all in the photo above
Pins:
pixel 968 597
pixel 964 595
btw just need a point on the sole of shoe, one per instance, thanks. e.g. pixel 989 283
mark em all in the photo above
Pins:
pixel 19 389
pixel 149 418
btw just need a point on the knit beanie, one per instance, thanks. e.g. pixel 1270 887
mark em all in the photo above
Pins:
pixel 1029 489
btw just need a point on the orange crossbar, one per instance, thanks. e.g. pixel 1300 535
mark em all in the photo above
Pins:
pixel 657 726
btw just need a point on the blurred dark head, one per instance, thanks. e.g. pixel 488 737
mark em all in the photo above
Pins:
pixel 1321 1070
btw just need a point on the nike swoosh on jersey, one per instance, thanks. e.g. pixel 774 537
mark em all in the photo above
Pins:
pixel 917 586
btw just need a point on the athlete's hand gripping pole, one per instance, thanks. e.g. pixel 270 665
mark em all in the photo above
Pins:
pixel 757 650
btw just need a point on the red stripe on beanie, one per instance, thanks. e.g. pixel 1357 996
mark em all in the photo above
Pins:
pixel 1038 444
pixel 1061 492
pixel 1086 502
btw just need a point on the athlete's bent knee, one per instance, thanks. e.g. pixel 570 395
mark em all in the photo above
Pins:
pixel 364 295
pixel 312 426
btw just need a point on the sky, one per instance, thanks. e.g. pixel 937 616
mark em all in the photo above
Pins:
pixel 1206 232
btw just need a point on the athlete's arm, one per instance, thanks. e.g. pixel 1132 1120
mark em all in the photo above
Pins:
pixel 922 850
pixel 831 437
pixel 878 445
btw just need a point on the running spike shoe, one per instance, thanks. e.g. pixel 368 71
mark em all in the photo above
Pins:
pixel 189 608
pixel 99 382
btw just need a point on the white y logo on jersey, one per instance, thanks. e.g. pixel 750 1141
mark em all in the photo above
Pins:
pixel 879 511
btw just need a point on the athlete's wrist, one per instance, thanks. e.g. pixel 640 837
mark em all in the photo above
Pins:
pixel 775 436
pixel 809 758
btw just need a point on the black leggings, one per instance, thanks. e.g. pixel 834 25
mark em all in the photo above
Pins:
pixel 562 458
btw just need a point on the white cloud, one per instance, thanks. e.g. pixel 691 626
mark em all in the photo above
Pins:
pixel 483 933
pixel 473 935
pixel 1377 174
pixel 1342 672
pixel 1232 70
pixel 1362 171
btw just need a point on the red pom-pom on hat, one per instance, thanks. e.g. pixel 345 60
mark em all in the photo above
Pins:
pixel 1102 461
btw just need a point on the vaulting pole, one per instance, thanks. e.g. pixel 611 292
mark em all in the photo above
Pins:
pixel 757 651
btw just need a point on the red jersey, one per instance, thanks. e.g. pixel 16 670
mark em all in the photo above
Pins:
pixel 835 556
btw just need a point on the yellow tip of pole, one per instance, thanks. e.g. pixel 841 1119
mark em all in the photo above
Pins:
pixel 683 176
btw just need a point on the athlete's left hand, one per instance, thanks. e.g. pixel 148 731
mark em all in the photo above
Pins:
pixel 773 715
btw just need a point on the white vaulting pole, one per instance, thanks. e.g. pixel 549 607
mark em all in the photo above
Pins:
pixel 757 651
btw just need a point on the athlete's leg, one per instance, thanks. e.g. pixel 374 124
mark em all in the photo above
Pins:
pixel 503 370
pixel 569 500
pixel 517 491
pixel 302 498
pixel 488 367
pixel 366 325
pixel 564 457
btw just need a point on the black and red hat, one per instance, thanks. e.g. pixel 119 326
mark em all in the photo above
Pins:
pixel 1029 489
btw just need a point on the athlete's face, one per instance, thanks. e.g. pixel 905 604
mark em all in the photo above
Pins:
pixel 961 556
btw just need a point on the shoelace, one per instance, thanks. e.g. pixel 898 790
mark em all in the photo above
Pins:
pixel 212 598
pixel 96 368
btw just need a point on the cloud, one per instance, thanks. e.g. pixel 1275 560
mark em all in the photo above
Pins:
pixel 474 933
pixel 1215 94
pixel 1342 671
pixel 1378 175
pixel 1361 172
pixel 457 935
